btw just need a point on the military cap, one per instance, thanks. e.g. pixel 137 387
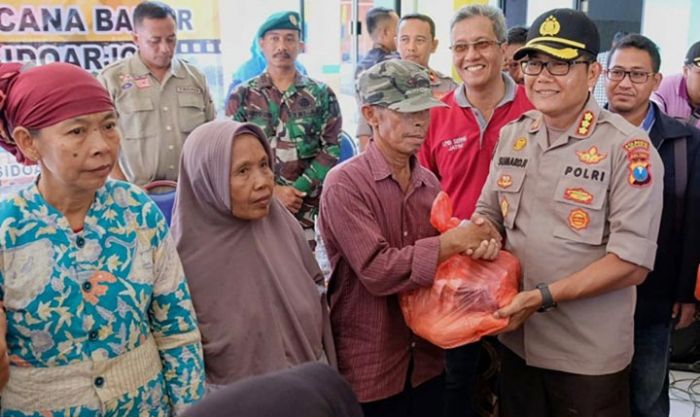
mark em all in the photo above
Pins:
pixel 398 85
pixel 562 34
pixel 693 55
pixel 280 20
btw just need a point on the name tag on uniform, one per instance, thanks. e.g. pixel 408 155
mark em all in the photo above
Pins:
pixel 190 90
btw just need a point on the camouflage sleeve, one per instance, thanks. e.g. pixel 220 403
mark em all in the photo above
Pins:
pixel 234 104
pixel 327 157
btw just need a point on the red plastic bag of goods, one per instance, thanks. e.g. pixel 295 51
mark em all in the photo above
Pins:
pixel 458 308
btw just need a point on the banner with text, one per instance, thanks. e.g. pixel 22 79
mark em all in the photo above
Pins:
pixel 93 34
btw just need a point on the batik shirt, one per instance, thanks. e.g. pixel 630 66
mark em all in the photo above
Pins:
pixel 100 321
pixel 303 126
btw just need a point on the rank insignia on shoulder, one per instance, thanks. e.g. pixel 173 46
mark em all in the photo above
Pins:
pixel 638 162
pixel 591 156
pixel 520 143
pixel 578 219
pixel 504 207
pixel 505 181
pixel 578 195
pixel 584 125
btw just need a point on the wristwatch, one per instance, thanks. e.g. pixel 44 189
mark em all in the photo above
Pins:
pixel 548 302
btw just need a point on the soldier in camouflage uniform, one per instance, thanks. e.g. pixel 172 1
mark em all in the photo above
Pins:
pixel 300 116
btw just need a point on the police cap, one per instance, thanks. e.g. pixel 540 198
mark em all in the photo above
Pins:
pixel 562 34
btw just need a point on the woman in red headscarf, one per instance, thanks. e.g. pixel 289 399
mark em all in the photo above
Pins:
pixel 99 317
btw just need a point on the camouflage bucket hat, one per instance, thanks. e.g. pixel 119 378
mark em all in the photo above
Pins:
pixel 398 85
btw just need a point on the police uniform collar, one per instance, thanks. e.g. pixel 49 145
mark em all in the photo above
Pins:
pixel 511 88
pixel 139 68
pixel 584 125
pixel 177 67
pixel 587 120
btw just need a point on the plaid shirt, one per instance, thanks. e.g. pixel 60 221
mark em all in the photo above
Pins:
pixel 380 243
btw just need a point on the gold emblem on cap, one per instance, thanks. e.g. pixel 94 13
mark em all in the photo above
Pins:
pixel 550 26
pixel 293 19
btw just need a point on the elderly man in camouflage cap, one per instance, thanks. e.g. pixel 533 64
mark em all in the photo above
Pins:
pixel 375 222
pixel 300 116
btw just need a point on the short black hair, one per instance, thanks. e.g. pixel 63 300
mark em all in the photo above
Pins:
pixel 375 16
pixel 425 18
pixel 637 41
pixel 152 10
pixel 517 35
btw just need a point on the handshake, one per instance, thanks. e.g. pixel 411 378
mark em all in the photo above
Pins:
pixel 477 238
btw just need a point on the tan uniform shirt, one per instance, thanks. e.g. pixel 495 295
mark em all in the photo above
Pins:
pixel 155 118
pixel 597 189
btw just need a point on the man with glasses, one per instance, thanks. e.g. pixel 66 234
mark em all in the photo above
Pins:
pixel 666 296
pixel 460 142
pixel 300 116
pixel 679 95
pixel 577 191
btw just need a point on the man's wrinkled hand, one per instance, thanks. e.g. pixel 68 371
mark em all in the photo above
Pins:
pixel 290 197
pixel 481 238
pixel 480 220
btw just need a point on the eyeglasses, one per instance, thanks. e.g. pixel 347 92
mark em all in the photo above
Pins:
pixel 479 46
pixel 637 77
pixel 556 68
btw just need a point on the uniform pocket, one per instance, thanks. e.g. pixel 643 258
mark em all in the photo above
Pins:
pixel 580 208
pixel 136 119
pixel 509 184
pixel 191 111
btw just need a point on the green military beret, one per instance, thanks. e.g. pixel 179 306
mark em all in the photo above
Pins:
pixel 280 20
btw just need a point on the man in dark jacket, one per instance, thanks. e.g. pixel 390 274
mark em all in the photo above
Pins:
pixel 666 297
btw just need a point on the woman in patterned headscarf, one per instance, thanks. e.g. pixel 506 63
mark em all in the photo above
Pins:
pixel 99 317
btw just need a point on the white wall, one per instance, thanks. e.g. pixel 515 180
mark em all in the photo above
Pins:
pixel 537 7
pixel 667 23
